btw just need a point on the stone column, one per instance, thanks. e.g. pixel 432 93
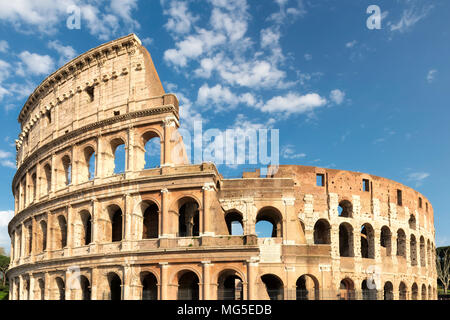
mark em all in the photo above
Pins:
pixel 377 245
pixel 206 281
pixel 53 177
pixel 95 227
pixel 292 233
pixel 169 124
pixel 47 290
pixel 127 217
pixel 95 284
pixel 252 269
pixel 207 228
pixel 165 223
pixel 32 287
pixel 70 230
pixel 163 281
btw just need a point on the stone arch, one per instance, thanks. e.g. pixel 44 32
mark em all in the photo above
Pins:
pixel 274 217
pixel 413 250
pixel 402 291
pixel 367 241
pixel 114 230
pixel 347 289
pixel 29 239
pixel 414 291
pixel 85 287
pixel 401 243
pixel 388 291
pixel 117 145
pixel 322 232
pixel 230 285
pixel 346 240
pixel 41 286
pixel 26 288
pixel 87 167
pixel 345 209
pixel 412 222
pixel 61 288
pixel 424 292
pixel 368 289
pixel 42 236
pixel 274 286
pixel 150 219
pixel 188 285
pixel 152 150
pixel 66 170
pixel 149 284
pixel 61 236
pixel 385 241
pixel 234 217
pixel 48 177
pixel 188 217
pixel 430 293
pixel 86 232
pixel 429 258
pixel 115 286
pixel 307 288
pixel 422 252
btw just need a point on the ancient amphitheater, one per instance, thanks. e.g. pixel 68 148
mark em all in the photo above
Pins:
pixel 82 230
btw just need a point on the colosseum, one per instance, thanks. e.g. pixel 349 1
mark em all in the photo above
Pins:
pixel 86 228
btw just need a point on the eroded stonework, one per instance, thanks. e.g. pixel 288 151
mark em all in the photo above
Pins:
pixel 82 230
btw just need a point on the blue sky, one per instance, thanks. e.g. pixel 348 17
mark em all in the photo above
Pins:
pixel 342 95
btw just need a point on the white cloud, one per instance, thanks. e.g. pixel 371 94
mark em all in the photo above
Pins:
pixel 431 75
pixel 269 37
pixel 8 164
pixel 410 16
pixel 308 56
pixel 5 217
pixel 37 64
pixel 4 70
pixel 337 96
pixel 417 176
pixel 3 46
pixel 5 154
pixel 292 103
pixel 180 19
pixel 288 152
pixel 66 53
pixel 221 97
pixel 147 41
pixel 351 44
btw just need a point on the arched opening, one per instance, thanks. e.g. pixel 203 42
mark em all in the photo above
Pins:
pixel 67 167
pixel 86 235
pixel 61 288
pixel 62 223
pixel 149 286
pixel 119 155
pixel 347 289
pixel 88 165
pixel 233 219
pixel 368 289
pixel 268 223
pixel 115 286
pixel 424 292
pixel 34 186
pixel 116 223
pixel 412 222
pixel 413 250
pixel 385 241
pixel 388 291
pixel 48 177
pixel 422 252
pixel 307 288
pixel 402 291
pixel 30 239
pixel 428 253
pixel 430 293
pixel 274 286
pixel 414 291
pixel 151 217
pixel 27 289
pixel 152 146
pixel 85 288
pixel 401 243
pixel 188 288
pixel 188 219
pixel 346 240
pixel 230 286
pixel 322 232
pixel 43 242
pixel 367 241
pixel 41 285
pixel 345 209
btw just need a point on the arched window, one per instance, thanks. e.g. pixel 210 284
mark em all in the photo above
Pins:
pixel 322 232
pixel 116 224
pixel 428 253
pixel 34 186
pixel 115 286
pixel 401 243
pixel 43 241
pixel 274 286
pixel 367 241
pixel 430 293
pixel 413 250
pixel 149 286
pixel 48 177
pixel 368 289
pixel 61 288
pixel 62 223
pixel 385 241
pixel 188 220
pixel 27 289
pixel 388 291
pixel 30 239
pixel 87 166
pixel 412 222
pixel 307 288
pixel 414 291
pixel 86 235
pixel 269 223
pixel 67 166
pixel 119 155
pixel 424 292
pixel 346 240
pixel 41 284
pixel 150 227
pixel 152 146
pixel 233 219
pixel 347 289
pixel 229 286
pixel 188 288
pixel 345 209
pixel 85 288
pixel 422 252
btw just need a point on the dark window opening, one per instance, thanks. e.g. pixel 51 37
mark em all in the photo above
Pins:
pixel 117 113
pixel 48 116
pixel 420 203
pixel 320 180
pixel 399 198
pixel 90 92
pixel 366 185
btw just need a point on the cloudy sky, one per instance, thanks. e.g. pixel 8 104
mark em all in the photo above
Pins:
pixel 342 95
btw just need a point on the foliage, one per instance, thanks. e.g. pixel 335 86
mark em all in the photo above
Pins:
pixel 443 266
pixel 4 264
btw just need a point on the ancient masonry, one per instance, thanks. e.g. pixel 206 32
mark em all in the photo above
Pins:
pixel 82 230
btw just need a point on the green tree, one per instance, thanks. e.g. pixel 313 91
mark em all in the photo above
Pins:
pixel 4 264
pixel 443 267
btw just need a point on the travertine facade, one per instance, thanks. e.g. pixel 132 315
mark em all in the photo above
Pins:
pixel 83 231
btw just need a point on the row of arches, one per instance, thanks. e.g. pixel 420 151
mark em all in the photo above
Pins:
pixel 322 235
pixel 61 173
